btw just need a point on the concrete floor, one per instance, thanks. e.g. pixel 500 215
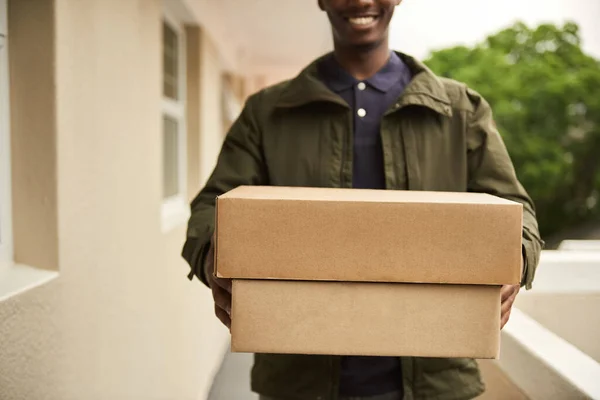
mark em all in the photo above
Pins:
pixel 233 381
pixel 498 385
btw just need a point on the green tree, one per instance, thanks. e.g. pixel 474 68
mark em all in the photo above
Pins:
pixel 545 92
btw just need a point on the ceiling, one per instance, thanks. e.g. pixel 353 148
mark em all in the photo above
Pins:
pixel 286 32
pixel 274 33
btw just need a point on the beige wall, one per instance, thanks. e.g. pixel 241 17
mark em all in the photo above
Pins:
pixel 573 316
pixel 121 321
pixel 211 122
pixel 193 39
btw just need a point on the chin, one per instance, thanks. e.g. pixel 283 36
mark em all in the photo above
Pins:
pixel 368 38
pixel 365 43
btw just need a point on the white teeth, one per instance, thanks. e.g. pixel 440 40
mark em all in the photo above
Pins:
pixel 361 20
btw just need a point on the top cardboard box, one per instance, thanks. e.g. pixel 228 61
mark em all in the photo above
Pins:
pixel 320 234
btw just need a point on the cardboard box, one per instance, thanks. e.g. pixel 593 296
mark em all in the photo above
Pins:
pixel 377 319
pixel 367 272
pixel 320 234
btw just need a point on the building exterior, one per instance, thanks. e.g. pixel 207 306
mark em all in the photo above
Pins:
pixel 112 114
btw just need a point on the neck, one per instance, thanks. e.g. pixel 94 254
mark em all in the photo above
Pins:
pixel 362 62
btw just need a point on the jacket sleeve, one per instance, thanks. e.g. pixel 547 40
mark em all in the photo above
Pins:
pixel 240 162
pixel 490 170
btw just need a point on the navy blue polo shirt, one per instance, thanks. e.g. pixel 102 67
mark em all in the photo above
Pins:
pixel 369 100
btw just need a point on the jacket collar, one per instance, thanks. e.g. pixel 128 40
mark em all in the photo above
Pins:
pixel 425 89
pixel 338 79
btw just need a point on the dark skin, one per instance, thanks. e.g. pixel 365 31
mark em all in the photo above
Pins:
pixel 360 33
pixel 221 288
pixel 361 45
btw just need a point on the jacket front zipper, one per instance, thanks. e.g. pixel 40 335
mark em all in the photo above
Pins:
pixel 345 136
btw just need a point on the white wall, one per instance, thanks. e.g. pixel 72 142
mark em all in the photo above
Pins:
pixel 566 298
pixel 550 345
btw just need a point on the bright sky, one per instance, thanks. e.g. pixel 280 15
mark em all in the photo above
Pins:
pixel 420 26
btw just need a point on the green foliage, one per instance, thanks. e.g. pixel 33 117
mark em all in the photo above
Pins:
pixel 545 93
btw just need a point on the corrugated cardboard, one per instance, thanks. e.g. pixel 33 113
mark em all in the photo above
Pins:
pixel 376 319
pixel 368 235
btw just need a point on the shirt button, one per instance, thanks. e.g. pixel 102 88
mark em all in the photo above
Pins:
pixel 362 86
pixel 361 112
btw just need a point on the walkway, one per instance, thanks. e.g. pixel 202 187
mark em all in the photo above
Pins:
pixel 233 381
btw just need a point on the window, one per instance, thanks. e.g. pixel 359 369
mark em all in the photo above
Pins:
pixel 230 103
pixel 175 209
pixel 15 275
pixel 5 196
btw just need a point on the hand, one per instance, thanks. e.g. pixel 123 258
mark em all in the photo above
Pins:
pixel 508 296
pixel 221 288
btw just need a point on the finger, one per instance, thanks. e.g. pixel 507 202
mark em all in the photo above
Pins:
pixel 509 291
pixel 505 318
pixel 223 316
pixel 222 299
pixel 505 292
pixel 223 283
pixel 507 305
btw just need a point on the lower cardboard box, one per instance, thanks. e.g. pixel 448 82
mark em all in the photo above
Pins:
pixel 370 319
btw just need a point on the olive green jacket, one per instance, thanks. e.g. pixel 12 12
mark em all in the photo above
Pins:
pixel 438 136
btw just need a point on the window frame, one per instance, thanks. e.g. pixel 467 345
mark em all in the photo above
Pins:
pixel 230 104
pixel 6 234
pixel 175 209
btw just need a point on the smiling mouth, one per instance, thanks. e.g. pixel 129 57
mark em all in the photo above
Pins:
pixel 362 21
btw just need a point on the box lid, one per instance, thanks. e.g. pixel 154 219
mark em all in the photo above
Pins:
pixel 293 233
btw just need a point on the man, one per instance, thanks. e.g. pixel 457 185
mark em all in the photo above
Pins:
pixel 362 117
